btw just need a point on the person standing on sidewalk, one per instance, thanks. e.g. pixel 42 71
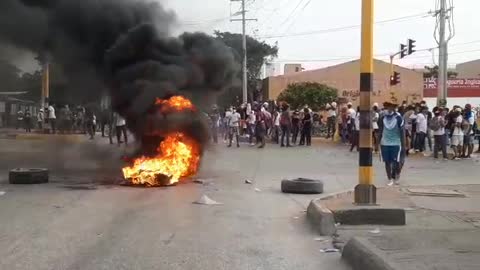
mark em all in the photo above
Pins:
pixel 295 126
pixel 422 128
pixel 392 143
pixel 20 116
pixel 468 140
pixel 40 120
pixel 356 131
pixel 286 125
pixel 437 125
pixel 457 135
pixel 331 120
pixel 121 129
pixel 251 120
pixel 28 121
pixel 306 134
pixel 375 118
pixel 351 113
pixel 52 118
pixel 234 127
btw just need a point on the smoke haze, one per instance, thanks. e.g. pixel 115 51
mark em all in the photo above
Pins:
pixel 126 47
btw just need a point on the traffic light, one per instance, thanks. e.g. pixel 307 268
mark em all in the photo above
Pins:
pixel 395 78
pixel 411 45
pixel 403 50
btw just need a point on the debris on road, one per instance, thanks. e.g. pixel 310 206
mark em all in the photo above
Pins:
pixel 296 217
pixel 258 190
pixel 375 231
pixel 321 239
pixel 205 200
pixel 199 181
pixel 248 182
pixel 329 250
pixel 2 193
pixel 302 186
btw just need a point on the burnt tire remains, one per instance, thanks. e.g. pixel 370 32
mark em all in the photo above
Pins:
pixel 302 186
pixel 26 176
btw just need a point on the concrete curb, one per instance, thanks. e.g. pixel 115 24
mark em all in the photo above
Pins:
pixel 362 215
pixel 321 218
pixel 362 255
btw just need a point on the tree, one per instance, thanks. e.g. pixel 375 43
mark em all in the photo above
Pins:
pixel 258 52
pixel 315 95
pixel 432 72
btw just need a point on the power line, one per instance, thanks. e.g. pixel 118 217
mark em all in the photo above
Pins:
pixel 290 16
pixel 356 57
pixel 344 28
pixel 299 13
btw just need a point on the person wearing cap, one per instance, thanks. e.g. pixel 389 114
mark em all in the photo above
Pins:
pixel 457 135
pixel 40 119
pixel 392 142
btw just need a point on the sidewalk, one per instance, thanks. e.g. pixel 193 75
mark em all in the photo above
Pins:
pixel 442 231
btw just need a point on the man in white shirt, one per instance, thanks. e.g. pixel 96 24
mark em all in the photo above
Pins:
pixel 351 113
pixel 52 118
pixel 331 120
pixel 458 135
pixel 421 131
pixel 121 128
pixel 234 126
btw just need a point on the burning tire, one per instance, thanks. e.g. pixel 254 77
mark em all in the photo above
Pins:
pixel 24 176
pixel 302 186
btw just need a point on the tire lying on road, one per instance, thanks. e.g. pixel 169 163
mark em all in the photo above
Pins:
pixel 24 176
pixel 302 186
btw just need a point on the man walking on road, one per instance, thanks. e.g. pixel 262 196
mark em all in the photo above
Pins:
pixel 392 143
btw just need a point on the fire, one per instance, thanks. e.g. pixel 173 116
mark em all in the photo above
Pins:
pixel 178 157
pixel 175 104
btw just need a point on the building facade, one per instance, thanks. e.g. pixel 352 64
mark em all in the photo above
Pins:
pixel 345 77
pixel 469 69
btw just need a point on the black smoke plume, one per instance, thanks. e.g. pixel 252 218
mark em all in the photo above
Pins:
pixel 124 46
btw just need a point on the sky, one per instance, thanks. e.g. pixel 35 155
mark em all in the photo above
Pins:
pixel 290 23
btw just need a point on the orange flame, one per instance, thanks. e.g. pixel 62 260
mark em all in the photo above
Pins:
pixel 175 104
pixel 178 157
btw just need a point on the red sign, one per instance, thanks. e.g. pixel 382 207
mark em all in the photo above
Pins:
pixel 456 87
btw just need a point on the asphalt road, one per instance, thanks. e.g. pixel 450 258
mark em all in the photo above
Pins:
pixel 82 221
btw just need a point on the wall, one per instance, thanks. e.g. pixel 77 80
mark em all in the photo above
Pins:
pixel 469 69
pixel 345 77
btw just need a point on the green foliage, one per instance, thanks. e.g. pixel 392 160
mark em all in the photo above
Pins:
pixel 258 52
pixel 432 72
pixel 315 95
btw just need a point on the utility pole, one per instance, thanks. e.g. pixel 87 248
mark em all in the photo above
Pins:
pixel 442 56
pixel 244 49
pixel 365 191
pixel 444 14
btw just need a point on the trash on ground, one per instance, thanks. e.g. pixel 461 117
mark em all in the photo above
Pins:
pixel 2 193
pixel 204 199
pixel 258 190
pixel 329 250
pixel 296 217
pixel 375 231
pixel 199 181
pixel 337 224
pixel 248 182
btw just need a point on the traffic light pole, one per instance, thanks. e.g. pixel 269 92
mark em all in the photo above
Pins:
pixel 365 191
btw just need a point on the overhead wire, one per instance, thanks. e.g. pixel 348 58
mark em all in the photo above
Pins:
pixel 344 28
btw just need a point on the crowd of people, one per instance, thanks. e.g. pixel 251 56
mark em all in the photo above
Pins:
pixel 260 122
pixel 63 120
